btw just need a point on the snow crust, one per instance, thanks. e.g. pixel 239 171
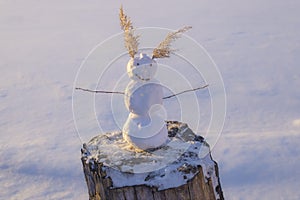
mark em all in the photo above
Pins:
pixel 170 166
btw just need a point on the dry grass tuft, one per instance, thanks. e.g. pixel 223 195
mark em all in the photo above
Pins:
pixel 131 41
pixel 164 48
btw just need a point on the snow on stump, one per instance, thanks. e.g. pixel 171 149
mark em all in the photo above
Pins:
pixel 181 169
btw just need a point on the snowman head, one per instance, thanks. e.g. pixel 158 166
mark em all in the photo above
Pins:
pixel 142 68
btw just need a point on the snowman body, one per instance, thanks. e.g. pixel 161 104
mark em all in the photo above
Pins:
pixel 145 127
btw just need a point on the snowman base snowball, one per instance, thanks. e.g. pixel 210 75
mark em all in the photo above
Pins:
pixel 144 138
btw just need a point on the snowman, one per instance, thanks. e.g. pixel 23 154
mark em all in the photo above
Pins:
pixel 145 127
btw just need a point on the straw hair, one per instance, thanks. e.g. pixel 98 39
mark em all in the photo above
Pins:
pixel 164 48
pixel 131 41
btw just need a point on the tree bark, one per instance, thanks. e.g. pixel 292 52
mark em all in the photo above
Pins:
pixel 100 188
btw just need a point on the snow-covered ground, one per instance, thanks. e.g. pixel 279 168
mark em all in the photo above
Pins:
pixel 255 44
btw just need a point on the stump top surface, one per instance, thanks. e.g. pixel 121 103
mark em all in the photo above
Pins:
pixel 169 166
pixel 114 152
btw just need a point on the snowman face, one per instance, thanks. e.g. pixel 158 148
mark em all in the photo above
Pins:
pixel 142 68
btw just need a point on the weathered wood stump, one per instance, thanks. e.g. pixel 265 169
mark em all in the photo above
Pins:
pixel 181 169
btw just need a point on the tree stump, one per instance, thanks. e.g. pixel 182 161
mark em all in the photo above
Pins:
pixel 182 169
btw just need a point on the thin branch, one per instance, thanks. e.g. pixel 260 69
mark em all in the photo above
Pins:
pixel 99 91
pixel 110 92
pixel 173 95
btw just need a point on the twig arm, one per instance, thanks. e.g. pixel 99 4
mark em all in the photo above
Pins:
pixel 173 95
pixel 98 91
pixel 167 97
